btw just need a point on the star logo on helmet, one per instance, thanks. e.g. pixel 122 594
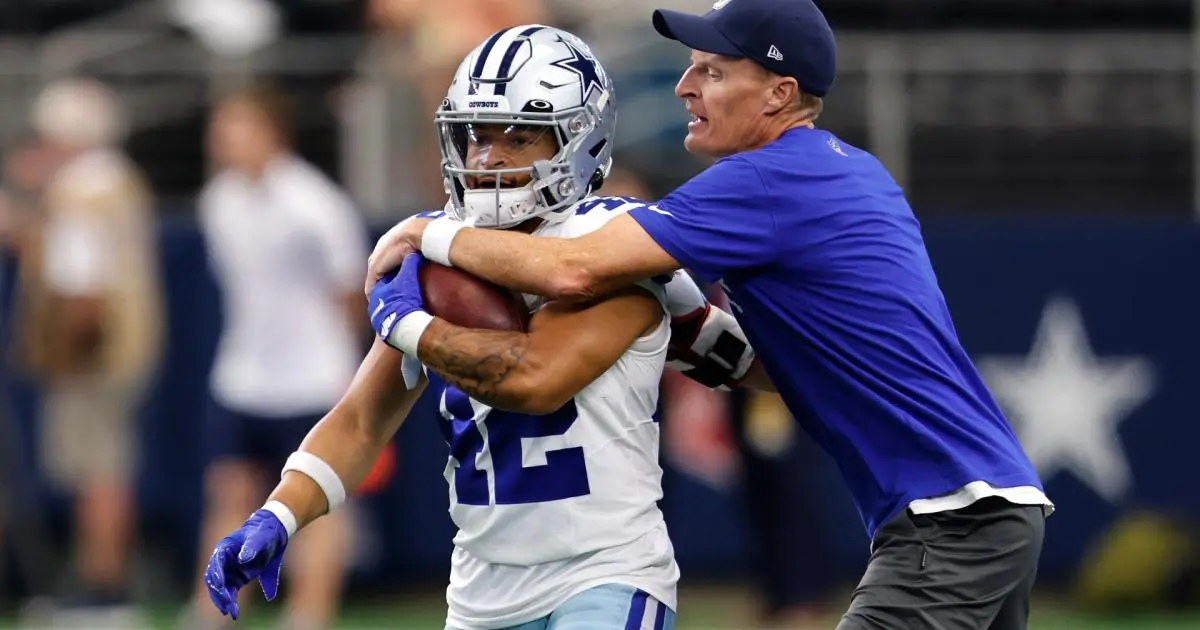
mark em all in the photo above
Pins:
pixel 584 65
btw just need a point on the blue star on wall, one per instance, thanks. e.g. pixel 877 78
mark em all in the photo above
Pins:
pixel 584 66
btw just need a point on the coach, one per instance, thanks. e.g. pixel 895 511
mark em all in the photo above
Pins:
pixel 827 273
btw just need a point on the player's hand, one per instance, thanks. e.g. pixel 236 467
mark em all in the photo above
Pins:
pixel 392 248
pixel 254 550
pixel 395 296
pixel 707 344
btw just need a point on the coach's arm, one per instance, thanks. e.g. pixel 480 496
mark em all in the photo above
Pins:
pixel 569 345
pixel 350 437
pixel 565 269
pixel 578 269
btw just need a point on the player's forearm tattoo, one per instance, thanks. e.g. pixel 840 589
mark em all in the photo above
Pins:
pixel 477 362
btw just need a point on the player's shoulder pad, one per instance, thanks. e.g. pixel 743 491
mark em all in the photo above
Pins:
pixel 592 213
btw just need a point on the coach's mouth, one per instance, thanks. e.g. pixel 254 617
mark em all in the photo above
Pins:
pixel 696 122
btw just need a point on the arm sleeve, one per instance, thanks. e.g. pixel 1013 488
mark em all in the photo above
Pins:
pixel 720 221
pixel 210 230
pixel 343 239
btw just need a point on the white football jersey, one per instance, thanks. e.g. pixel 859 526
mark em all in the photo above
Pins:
pixel 549 506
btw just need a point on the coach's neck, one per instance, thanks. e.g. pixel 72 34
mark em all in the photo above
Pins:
pixel 770 128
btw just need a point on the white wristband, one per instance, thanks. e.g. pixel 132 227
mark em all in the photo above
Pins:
pixel 410 370
pixel 406 334
pixel 435 243
pixel 316 469
pixel 285 516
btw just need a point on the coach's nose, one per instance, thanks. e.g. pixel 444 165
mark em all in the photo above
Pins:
pixel 686 88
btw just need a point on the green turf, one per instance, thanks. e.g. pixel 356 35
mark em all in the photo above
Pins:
pixel 706 610
pixel 417 619
pixel 406 618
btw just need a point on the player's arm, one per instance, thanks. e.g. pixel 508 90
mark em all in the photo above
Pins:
pixel 567 347
pixel 707 343
pixel 350 437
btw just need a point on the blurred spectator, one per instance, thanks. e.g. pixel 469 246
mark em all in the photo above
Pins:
pixel 622 182
pixel 288 249
pixel 229 27
pixel 782 489
pixel 89 320
pixel 618 15
pixel 427 40
pixel 442 33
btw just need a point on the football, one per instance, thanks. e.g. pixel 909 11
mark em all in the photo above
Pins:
pixel 465 300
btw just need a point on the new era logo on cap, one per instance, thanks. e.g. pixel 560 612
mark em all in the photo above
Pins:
pixel 753 29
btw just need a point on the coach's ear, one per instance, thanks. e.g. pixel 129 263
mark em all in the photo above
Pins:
pixel 784 91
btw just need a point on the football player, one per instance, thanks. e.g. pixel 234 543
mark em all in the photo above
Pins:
pixel 553 469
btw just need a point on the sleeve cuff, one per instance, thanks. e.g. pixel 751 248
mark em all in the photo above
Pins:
pixel 656 225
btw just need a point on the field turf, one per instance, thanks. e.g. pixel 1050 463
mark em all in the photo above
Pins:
pixel 702 609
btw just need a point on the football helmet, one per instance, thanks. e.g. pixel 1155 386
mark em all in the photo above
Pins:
pixel 529 79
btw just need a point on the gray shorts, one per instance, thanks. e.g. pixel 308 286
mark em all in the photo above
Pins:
pixel 965 569
pixel 89 431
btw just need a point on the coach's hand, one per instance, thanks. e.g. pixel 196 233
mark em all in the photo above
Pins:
pixel 391 249
pixel 254 550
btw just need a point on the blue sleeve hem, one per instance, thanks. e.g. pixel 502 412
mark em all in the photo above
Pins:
pixel 652 223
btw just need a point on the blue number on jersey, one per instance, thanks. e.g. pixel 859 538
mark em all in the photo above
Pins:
pixel 607 204
pixel 459 430
pixel 564 475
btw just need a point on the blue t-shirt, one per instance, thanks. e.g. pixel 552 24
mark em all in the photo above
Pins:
pixel 826 270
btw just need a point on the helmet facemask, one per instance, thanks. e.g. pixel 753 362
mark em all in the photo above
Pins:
pixel 491 177
pixel 522 78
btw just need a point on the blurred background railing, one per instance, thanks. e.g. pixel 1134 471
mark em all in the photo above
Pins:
pixel 980 122
pixel 1051 149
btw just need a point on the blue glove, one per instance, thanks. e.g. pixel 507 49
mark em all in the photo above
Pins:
pixel 394 297
pixel 254 550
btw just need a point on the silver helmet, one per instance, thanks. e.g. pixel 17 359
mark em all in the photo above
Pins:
pixel 528 78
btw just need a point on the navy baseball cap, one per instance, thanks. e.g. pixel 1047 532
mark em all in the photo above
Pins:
pixel 788 37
